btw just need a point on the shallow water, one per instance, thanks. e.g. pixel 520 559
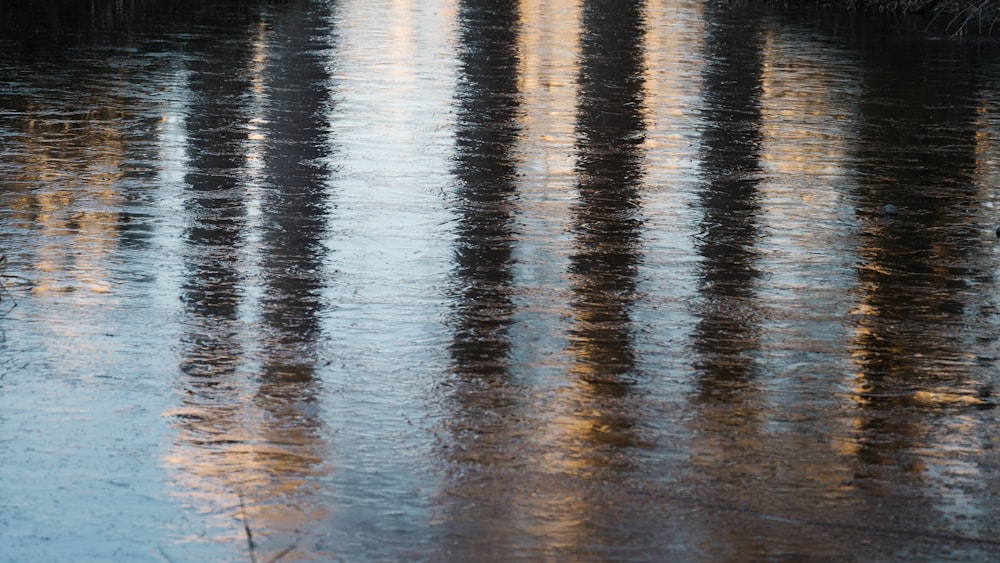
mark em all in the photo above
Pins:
pixel 470 279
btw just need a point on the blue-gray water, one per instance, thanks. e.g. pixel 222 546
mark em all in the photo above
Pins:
pixel 460 280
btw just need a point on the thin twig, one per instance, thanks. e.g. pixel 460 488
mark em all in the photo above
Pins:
pixel 246 528
pixel 164 555
pixel 282 553
pixel 3 287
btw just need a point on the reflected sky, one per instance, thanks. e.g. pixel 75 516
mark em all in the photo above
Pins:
pixel 570 280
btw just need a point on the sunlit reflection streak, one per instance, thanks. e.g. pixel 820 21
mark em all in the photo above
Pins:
pixel 548 59
pixel 987 176
pixel 257 122
pixel 547 62
pixel 672 75
pixel 64 174
pixel 801 141
pixel 398 89
pixel 671 181
pixel 809 248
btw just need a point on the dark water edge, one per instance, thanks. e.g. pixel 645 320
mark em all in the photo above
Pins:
pixel 58 18
pixel 950 17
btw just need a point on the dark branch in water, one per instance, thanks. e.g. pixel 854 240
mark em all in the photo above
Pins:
pixel 4 292
pixel 251 545
pixel 281 554
pixel 246 528
pixel 164 555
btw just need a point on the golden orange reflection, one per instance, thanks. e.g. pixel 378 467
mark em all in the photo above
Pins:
pixel 251 458
pixel 806 118
pixel 77 159
pixel 549 48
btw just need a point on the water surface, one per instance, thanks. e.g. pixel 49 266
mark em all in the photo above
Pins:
pixel 474 279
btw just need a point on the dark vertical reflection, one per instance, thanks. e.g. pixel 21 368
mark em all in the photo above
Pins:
pixel 600 411
pixel 219 87
pixel 727 452
pixel 296 81
pixel 730 204
pixel 487 132
pixel 920 316
pixel 210 435
pixel 607 220
pixel 481 404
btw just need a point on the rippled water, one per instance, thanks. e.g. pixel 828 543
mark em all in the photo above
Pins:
pixel 474 279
